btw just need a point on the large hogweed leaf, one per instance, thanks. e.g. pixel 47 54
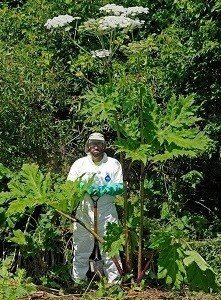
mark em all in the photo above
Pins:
pixel 67 196
pixel 177 264
pixel 27 189
pixel 199 273
pixel 179 132
pixel 100 104
pixel 182 112
pixel 167 132
pixel 170 265
pixel 133 150
pixel 31 188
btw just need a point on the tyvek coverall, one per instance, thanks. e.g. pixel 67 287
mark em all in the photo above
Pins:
pixel 109 181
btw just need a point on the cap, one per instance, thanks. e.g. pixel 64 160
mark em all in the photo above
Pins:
pixel 96 136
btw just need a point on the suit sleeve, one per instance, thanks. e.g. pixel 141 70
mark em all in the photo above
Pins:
pixel 74 172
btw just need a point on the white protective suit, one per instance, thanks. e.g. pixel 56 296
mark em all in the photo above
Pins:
pixel 108 173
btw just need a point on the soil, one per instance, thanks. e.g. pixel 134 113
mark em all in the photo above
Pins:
pixel 151 294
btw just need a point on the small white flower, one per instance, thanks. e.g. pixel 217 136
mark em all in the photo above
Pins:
pixel 60 21
pixel 111 22
pixel 100 53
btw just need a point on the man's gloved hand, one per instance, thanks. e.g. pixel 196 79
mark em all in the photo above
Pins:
pixel 113 190
pixel 98 191
pixel 93 191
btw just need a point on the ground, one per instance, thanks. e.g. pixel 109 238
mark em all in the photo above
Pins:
pixel 151 294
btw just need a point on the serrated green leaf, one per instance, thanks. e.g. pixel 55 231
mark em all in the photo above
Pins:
pixel 160 240
pixel 19 205
pixel 4 172
pixel 133 150
pixel 113 239
pixel 199 273
pixel 33 179
pixel 174 153
pixel 19 237
pixel 181 111
pixel 170 265
pixel 204 280
pixel 193 256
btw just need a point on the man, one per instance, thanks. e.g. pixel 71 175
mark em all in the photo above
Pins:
pixel 108 182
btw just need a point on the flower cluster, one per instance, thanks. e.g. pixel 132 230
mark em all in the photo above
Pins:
pixel 119 10
pixel 90 25
pixel 113 8
pixel 60 21
pixel 136 10
pixel 112 22
pixel 100 53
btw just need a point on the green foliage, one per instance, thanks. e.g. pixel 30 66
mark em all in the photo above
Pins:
pixel 44 75
pixel 4 172
pixel 13 286
pixel 173 128
pixel 103 291
pixel 193 178
pixel 113 240
pixel 211 251
pixel 177 264
pixel 199 273
pixel 30 188
pixel 41 236
pixel 33 82
pixel 19 237
pixel 170 265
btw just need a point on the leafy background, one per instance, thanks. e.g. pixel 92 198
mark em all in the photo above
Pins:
pixel 41 84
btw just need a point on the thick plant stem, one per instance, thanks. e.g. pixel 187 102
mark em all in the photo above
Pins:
pixel 125 196
pixel 100 239
pixel 141 275
pixel 140 241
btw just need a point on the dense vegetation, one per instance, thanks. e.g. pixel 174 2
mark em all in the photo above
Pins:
pixel 156 100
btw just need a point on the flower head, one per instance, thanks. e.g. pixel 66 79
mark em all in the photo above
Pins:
pixel 113 8
pixel 100 53
pixel 60 21
pixel 136 10
pixel 119 10
pixel 111 22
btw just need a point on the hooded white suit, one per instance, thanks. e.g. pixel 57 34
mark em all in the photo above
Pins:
pixel 109 178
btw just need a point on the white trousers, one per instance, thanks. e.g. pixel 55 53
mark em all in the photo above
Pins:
pixel 83 241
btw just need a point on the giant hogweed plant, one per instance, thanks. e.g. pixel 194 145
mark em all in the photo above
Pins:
pixel 147 131
pixel 111 31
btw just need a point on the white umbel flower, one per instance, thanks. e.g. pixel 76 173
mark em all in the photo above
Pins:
pixel 136 10
pixel 100 53
pixel 113 8
pixel 112 22
pixel 60 21
pixel 119 10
